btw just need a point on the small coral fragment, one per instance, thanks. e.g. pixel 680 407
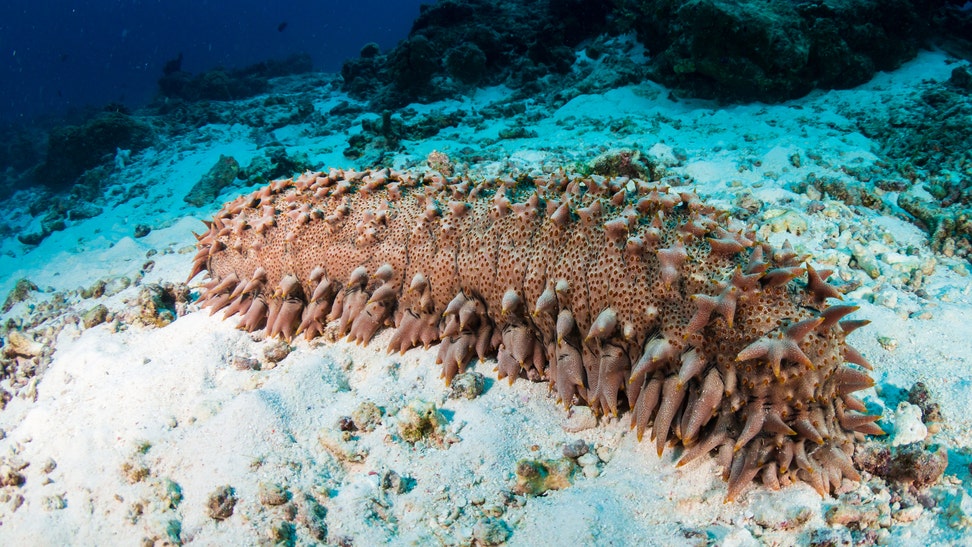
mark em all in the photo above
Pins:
pixel 908 427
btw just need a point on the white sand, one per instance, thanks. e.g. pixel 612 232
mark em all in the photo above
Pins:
pixel 127 413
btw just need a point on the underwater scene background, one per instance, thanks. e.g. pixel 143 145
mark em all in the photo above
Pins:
pixel 680 203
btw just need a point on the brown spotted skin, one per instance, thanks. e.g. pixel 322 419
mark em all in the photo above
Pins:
pixel 622 294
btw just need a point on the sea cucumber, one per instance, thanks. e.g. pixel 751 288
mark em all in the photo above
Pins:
pixel 621 293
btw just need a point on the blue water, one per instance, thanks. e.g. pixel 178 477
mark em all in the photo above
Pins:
pixel 59 55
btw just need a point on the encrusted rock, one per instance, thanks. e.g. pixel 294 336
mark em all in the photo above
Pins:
pixel 154 306
pixel 48 466
pixel 19 293
pixel 784 220
pixel 242 362
pixel 919 396
pixel 588 459
pixel 913 464
pixel 221 175
pixel 10 475
pixel 439 161
pixel 276 351
pixel 535 477
pixel 142 230
pixel 623 162
pixel 467 385
pixel 863 513
pixel 420 420
pixel 889 343
pixel 345 423
pixel 393 482
pixel 909 514
pixel 134 472
pixel 830 537
pixel 272 494
pixel 491 531
pixel 220 504
pixel 95 316
pixel 53 503
pixel 367 416
pixel 96 290
pixel 169 493
pixel 575 449
pixel 20 344
pixel 866 260
pixel 919 465
pixel 282 533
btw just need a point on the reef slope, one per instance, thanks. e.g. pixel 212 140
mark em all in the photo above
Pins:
pixel 623 295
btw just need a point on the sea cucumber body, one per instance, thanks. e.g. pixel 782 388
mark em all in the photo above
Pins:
pixel 623 295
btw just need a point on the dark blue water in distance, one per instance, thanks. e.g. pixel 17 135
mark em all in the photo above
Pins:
pixel 62 55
